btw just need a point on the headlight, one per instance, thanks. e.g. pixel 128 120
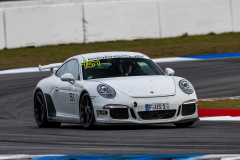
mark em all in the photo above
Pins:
pixel 106 91
pixel 186 86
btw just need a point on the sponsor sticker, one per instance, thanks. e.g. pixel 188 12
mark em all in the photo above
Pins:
pixel 90 64
pixel 72 98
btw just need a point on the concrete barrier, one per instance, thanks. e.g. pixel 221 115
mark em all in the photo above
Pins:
pixel 110 21
pixel 194 17
pixel 236 15
pixel 2 34
pixel 20 4
pixel 34 3
pixel 48 25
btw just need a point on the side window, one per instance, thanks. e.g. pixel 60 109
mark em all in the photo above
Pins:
pixel 72 67
pixel 61 70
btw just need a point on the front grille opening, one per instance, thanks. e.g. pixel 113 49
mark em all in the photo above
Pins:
pixel 188 109
pixel 164 114
pixel 178 110
pixel 119 113
pixel 132 113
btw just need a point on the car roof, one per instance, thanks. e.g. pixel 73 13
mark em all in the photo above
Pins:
pixel 99 55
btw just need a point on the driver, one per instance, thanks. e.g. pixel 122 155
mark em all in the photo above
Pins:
pixel 127 68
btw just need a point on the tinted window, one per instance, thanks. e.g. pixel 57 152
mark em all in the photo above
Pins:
pixel 119 67
pixel 72 67
pixel 61 70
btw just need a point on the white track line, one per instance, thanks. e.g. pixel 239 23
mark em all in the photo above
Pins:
pixel 220 99
pixel 23 156
pixel 204 157
pixel 221 118
pixel 218 156
pixel 21 70
pixel 173 59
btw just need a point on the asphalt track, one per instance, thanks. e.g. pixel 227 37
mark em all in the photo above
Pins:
pixel 211 78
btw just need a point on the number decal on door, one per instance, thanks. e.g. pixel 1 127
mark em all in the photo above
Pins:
pixel 72 98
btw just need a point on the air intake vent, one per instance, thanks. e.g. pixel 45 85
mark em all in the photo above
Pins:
pixel 188 109
pixel 119 113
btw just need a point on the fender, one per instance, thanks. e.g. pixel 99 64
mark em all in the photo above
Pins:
pixel 51 111
pixel 50 106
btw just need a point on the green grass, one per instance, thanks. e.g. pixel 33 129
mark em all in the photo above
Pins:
pixel 226 104
pixel 154 48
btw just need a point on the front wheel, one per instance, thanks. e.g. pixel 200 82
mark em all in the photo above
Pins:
pixel 86 112
pixel 184 125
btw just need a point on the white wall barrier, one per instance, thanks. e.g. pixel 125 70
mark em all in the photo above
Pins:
pixel 236 15
pixel 194 17
pixel 2 34
pixel 34 3
pixel 46 25
pixel 19 4
pixel 109 21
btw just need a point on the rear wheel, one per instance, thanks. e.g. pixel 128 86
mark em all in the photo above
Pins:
pixel 40 112
pixel 86 112
pixel 184 125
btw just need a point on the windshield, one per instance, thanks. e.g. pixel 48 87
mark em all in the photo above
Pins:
pixel 119 67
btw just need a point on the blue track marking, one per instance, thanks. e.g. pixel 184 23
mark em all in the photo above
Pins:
pixel 125 157
pixel 215 56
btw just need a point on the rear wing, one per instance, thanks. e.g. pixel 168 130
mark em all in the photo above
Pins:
pixel 50 66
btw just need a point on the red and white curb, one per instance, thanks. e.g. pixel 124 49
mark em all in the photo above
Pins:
pixel 219 114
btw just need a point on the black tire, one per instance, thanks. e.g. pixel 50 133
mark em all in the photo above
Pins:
pixel 40 112
pixel 86 112
pixel 184 125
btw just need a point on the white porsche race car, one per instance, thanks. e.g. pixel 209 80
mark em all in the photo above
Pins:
pixel 113 88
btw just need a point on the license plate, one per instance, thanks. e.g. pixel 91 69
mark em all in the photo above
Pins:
pixel 157 106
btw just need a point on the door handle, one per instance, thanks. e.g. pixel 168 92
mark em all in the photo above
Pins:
pixel 57 89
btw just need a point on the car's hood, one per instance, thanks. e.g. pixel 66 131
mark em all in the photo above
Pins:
pixel 142 86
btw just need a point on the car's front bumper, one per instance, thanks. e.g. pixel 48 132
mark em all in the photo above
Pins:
pixel 114 124
pixel 175 103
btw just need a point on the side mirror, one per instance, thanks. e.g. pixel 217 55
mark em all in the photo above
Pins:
pixel 67 77
pixel 169 72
